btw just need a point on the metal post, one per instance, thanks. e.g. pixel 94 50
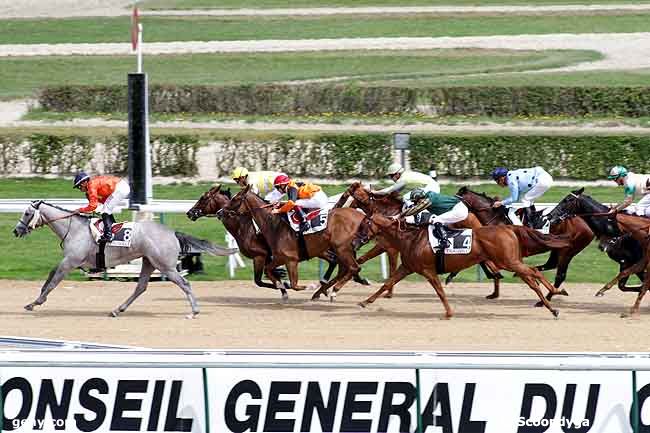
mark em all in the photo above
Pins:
pixel 139 153
pixel 139 48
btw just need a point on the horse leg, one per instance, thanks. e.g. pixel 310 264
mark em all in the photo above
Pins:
pixel 635 268
pixel 399 274
pixel 185 286
pixel 56 276
pixel 433 279
pixel 635 308
pixel 259 269
pixel 622 283
pixel 490 268
pixel 145 274
pixel 551 263
pixel 392 265
pixel 351 268
pixel 529 275
pixel 292 270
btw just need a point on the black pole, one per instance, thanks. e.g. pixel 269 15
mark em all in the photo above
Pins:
pixel 138 140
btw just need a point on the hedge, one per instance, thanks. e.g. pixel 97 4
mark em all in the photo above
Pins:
pixel 575 157
pixel 314 155
pixel 350 98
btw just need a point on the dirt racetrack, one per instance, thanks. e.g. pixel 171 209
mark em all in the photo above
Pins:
pixel 239 315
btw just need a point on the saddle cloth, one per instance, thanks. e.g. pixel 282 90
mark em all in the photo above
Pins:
pixel 122 232
pixel 317 220
pixel 460 241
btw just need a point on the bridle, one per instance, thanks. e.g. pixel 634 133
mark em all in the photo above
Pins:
pixel 38 220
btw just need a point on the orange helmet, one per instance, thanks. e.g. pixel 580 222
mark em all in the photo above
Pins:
pixel 281 179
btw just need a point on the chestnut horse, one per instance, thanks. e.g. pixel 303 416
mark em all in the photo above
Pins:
pixel 390 205
pixel 251 244
pixel 577 229
pixel 497 244
pixel 338 236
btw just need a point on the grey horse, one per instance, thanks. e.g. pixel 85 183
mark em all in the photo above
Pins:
pixel 158 246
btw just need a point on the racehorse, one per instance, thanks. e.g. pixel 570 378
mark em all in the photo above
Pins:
pixel 158 246
pixel 251 243
pixel 497 244
pixel 620 247
pixel 578 231
pixel 337 236
pixel 390 205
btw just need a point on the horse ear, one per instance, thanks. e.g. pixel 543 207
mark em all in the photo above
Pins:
pixel 579 191
pixel 218 188
pixel 462 190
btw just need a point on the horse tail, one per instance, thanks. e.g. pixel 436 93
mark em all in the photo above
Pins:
pixel 190 244
pixel 528 236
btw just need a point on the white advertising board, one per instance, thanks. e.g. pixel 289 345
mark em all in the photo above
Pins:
pixel 79 399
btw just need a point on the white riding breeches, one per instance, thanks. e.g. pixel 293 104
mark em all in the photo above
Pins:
pixel 456 214
pixel 274 196
pixel 643 206
pixel 544 182
pixel 122 192
pixel 318 201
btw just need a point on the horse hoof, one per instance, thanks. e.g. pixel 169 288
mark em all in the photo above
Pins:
pixel 363 281
pixel 362 305
pixel 192 315
pixel 539 304
pixel 285 297
pixel 114 313
pixel 599 294
pixel 563 293
pixel 333 297
pixel 29 307
pixel 446 317
pixel 556 313
pixel 492 296
pixel 630 316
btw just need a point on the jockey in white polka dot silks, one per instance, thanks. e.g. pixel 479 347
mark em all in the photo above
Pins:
pixel 526 185
pixel 636 185
pixel 447 210
pixel 261 182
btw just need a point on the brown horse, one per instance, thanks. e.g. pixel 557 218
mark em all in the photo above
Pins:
pixel 390 205
pixel 497 244
pixel 577 230
pixel 251 243
pixel 283 241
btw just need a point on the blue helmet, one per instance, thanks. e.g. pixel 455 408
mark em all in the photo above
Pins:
pixel 79 178
pixel 499 172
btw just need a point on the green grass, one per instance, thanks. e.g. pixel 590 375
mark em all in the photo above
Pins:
pixel 234 4
pixel 165 29
pixel 31 258
pixel 24 76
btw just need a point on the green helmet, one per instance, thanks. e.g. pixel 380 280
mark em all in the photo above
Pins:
pixel 617 172
pixel 417 194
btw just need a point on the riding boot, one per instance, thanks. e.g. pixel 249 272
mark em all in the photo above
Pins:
pixel 528 217
pixel 440 232
pixel 361 236
pixel 108 223
pixel 304 224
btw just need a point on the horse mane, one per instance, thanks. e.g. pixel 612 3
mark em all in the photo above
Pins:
pixel 59 208
pixel 594 202
pixel 465 190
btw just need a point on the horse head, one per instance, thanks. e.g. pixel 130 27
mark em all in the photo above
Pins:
pixel 480 204
pixel 210 203
pixel 30 219
pixel 568 207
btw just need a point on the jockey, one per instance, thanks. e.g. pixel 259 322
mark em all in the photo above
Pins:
pixel 300 196
pixel 532 183
pixel 109 190
pixel 448 210
pixel 406 181
pixel 261 182
pixel 635 185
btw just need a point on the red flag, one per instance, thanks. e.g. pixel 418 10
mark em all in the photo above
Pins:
pixel 134 28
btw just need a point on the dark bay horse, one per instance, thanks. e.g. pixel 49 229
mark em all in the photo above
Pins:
pixel 390 205
pixel 577 230
pixel 283 241
pixel 579 204
pixel 620 247
pixel 497 244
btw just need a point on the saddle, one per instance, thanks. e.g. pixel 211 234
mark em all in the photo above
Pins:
pixel 316 218
pixel 122 232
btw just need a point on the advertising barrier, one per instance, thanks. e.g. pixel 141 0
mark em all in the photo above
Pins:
pixel 240 391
